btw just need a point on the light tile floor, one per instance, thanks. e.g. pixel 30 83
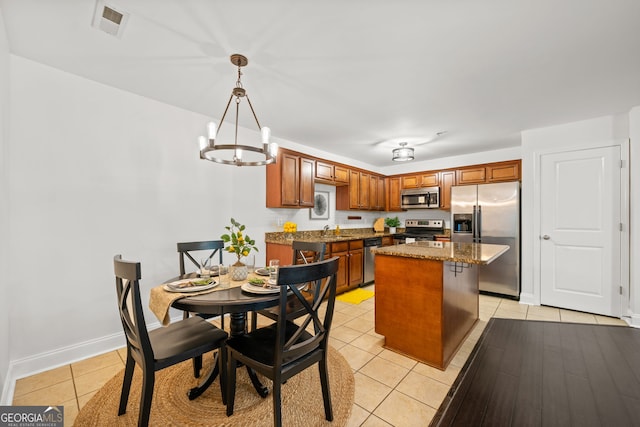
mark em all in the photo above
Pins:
pixel 391 389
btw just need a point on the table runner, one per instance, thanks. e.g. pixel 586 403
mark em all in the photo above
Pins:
pixel 161 300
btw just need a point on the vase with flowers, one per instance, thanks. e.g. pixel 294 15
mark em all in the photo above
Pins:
pixel 240 244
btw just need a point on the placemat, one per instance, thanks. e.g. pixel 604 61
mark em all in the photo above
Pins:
pixel 160 300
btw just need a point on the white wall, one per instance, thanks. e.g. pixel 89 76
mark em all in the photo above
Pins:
pixel 634 134
pixel 584 134
pixel 4 205
pixel 95 172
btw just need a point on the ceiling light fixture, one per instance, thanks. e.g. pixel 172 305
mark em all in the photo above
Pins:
pixel 402 154
pixel 211 151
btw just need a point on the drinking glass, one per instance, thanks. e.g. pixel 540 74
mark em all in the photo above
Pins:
pixel 250 262
pixel 205 268
pixel 273 270
pixel 224 276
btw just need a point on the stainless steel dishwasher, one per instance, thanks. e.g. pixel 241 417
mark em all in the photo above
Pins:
pixel 369 271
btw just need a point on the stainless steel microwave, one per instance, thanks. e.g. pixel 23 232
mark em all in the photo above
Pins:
pixel 421 198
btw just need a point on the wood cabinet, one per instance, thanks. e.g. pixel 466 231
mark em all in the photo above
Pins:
pixel 475 175
pixel 508 171
pixel 290 181
pixel 435 302
pixel 284 253
pixel 355 196
pixel 350 265
pixel 330 173
pixel 376 193
pixel 491 172
pixel 428 179
pixel 394 199
pixel 387 241
pixel 447 180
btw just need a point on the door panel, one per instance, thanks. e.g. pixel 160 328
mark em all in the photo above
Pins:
pixel 580 239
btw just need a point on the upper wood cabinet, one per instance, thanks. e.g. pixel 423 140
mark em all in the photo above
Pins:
pixel 394 202
pixel 507 171
pixel 354 196
pixel 330 173
pixel 376 193
pixel 474 175
pixel 290 181
pixel 428 179
pixel 447 180
pixel 491 172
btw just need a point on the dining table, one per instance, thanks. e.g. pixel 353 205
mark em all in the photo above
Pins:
pixel 231 299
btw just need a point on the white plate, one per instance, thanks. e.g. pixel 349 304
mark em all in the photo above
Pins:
pixel 248 287
pixel 173 286
pixel 262 271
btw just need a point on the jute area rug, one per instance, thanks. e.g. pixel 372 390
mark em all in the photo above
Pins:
pixel 301 399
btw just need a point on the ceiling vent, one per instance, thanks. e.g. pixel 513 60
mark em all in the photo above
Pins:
pixel 109 19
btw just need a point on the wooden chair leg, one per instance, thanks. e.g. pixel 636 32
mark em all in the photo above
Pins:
pixel 126 384
pixel 277 406
pixel 231 383
pixel 326 393
pixel 197 366
pixel 148 381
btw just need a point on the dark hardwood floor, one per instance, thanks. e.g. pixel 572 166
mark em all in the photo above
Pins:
pixel 534 373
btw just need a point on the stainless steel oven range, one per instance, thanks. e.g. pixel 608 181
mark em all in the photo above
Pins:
pixel 420 230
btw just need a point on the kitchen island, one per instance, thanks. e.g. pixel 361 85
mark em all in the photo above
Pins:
pixel 427 296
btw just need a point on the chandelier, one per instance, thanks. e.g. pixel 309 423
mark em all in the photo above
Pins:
pixel 232 154
pixel 402 154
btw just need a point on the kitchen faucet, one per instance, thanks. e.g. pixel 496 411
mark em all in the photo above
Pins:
pixel 325 229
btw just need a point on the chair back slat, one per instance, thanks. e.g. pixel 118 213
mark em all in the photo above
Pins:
pixel 185 249
pixel 290 279
pixel 302 249
pixel 130 307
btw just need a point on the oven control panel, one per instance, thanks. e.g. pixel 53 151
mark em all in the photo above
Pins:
pixel 426 223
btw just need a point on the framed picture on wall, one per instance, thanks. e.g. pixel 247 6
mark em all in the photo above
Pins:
pixel 320 209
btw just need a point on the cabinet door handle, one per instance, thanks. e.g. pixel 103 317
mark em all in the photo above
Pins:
pixel 546 237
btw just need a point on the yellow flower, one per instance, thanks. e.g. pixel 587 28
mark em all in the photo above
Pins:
pixel 245 253
pixel 231 248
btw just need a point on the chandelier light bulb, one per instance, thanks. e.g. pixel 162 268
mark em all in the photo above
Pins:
pixel 202 142
pixel 211 130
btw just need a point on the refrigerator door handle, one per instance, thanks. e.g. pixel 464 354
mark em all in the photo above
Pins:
pixel 479 222
pixel 473 223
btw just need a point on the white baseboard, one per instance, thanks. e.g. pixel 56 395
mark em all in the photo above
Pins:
pixel 35 364
pixel 634 320
pixel 529 299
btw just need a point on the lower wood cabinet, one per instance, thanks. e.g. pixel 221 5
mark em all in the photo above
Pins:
pixel 350 265
pixel 284 253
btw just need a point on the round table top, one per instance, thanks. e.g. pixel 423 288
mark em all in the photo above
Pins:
pixel 231 300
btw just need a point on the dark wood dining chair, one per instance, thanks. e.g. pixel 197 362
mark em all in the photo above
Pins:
pixel 284 349
pixel 303 253
pixel 160 348
pixel 186 251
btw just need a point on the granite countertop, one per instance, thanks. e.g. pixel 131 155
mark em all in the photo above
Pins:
pixel 281 238
pixel 472 253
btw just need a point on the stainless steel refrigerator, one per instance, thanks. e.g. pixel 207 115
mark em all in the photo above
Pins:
pixel 490 213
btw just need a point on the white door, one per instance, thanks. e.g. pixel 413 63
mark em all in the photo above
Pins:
pixel 580 236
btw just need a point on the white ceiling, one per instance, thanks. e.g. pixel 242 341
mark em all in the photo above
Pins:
pixel 356 77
